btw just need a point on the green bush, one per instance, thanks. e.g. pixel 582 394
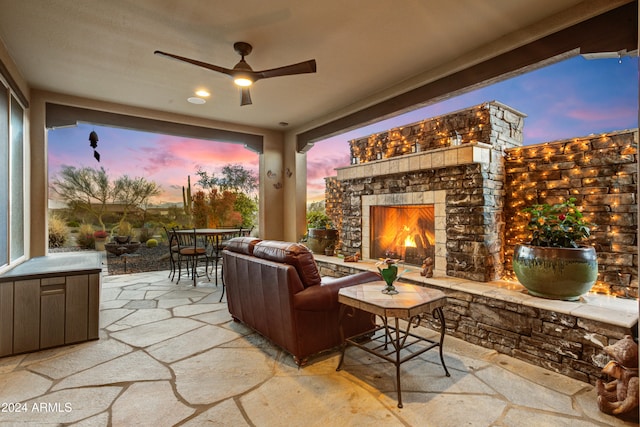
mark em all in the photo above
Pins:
pixel 73 224
pixel 152 243
pixel 85 237
pixel 318 219
pixel 58 232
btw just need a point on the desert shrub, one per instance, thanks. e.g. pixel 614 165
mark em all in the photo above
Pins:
pixel 85 237
pixel 152 243
pixel 73 224
pixel 58 232
pixel 146 232
pixel 125 229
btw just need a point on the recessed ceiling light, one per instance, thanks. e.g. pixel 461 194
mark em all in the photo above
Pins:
pixel 196 100
pixel 202 92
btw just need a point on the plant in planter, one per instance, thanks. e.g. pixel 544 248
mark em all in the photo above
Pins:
pixel 554 264
pixel 124 233
pixel 320 232
pixel 100 238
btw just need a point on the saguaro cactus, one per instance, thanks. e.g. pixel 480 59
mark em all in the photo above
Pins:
pixel 186 197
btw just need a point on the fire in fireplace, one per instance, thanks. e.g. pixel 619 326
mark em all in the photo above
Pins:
pixel 404 232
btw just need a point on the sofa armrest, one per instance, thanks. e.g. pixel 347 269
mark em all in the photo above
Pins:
pixel 324 297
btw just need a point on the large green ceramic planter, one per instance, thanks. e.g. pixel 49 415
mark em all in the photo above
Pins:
pixel 556 273
pixel 319 239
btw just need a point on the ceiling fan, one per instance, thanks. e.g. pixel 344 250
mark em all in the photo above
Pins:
pixel 242 73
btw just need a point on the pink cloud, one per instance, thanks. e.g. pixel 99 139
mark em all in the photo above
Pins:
pixel 610 115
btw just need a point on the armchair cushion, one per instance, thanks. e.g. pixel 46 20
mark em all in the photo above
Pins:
pixel 242 245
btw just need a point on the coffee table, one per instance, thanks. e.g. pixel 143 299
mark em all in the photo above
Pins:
pixel 392 342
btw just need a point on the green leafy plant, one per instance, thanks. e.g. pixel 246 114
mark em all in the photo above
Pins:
pixel 318 219
pixel 560 225
pixel 152 243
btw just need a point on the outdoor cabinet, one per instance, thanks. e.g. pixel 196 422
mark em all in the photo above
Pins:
pixel 43 308
pixel 6 318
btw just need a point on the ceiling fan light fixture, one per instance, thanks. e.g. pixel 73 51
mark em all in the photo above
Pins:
pixel 242 73
pixel 196 100
pixel 242 81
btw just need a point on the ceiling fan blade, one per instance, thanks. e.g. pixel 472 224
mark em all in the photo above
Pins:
pixel 212 67
pixel 288 70
pixel 245 97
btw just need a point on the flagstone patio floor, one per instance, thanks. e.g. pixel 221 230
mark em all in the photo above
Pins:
pixel 171 355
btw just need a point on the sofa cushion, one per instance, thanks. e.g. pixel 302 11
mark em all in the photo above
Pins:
pixel 293 254
pixel 242 245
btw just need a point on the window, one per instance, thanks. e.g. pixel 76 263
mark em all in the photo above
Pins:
pixel 16 153
pixel 4 175
pixel 11 178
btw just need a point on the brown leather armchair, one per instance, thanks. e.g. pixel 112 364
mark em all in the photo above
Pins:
pixel 275 288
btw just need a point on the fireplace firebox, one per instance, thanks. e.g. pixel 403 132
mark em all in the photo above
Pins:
pixel 404 232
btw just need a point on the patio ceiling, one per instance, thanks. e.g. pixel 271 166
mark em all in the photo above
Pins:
pixel 104 50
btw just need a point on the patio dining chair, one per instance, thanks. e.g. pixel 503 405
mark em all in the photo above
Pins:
pixel 189 253
pixel 219 241
pixel 242 232
pixel 173 251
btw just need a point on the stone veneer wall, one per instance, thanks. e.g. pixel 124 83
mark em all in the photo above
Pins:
pixel 559 342
pixel 601 172
pixel 483 200
pixel 474 192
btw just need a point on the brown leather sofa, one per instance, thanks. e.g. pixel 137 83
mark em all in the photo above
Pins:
pixel 275 288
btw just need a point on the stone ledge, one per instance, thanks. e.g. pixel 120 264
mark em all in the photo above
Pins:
pixel 597 307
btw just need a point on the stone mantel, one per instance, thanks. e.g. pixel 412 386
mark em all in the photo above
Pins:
pixel 467 153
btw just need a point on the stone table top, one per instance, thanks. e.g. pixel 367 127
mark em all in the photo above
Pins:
pixel 410 300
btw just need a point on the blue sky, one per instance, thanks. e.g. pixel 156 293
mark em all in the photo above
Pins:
pixel 575 97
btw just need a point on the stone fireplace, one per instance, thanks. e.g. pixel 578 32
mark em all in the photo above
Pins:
pixel 449 165
pixel 470 167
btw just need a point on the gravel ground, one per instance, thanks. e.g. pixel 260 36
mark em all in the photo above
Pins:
pixel 144 259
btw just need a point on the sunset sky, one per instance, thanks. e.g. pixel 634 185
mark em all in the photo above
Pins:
pixel 576 97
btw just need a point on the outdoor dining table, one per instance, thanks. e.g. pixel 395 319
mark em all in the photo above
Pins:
pixel 214 239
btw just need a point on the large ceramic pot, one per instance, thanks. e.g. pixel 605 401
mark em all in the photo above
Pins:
pixel 556 273
pixel 319 239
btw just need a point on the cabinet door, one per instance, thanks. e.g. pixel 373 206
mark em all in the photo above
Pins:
pixel 76 323
pixel 6 318
pixel 26 317
pixel 94 307
pixel 51 315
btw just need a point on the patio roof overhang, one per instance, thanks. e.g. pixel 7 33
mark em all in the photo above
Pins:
pixel 58 115
pixel 614 31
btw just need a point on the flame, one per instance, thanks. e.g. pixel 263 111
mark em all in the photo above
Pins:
pixel 410 242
